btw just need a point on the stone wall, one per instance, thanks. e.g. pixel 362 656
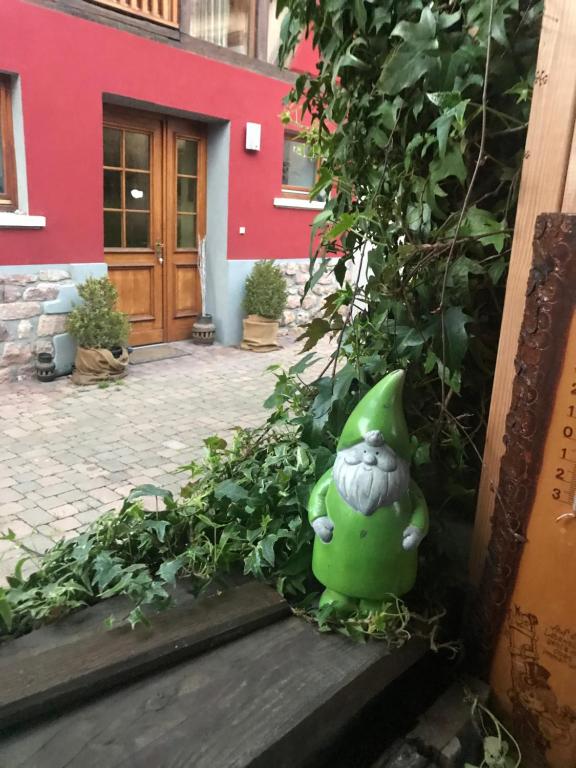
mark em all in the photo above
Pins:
pixel 298 312
pixel 27 324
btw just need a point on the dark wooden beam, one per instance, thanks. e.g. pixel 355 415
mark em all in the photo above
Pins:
pixel 36 681
pixel 278 697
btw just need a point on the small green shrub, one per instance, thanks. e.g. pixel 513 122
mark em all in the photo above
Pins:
pixel 95 324
pixel 265 292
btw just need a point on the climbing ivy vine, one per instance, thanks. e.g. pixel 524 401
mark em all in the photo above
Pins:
pixel 418 113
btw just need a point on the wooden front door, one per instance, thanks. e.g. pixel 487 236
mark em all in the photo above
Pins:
pixel 154 219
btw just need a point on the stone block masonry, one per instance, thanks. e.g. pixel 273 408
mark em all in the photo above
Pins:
pixel 25 328
pixel 299 311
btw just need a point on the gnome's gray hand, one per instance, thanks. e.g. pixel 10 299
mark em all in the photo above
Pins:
pixel 323 527
pixel 411 537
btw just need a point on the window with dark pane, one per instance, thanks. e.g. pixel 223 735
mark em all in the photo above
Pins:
pixel 8 183
pixel 298 167
pixel 186 193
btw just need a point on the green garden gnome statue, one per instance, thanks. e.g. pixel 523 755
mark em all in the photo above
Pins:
pixel 368 515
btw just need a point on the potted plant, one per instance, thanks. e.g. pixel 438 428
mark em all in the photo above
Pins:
pixel 101 333
pixel 264 301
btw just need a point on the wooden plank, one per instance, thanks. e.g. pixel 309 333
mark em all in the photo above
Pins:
pixel 275 698
pixel 569 200
pixel 542 187
pixel 34 683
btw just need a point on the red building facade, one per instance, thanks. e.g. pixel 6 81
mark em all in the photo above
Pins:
pixel 130 147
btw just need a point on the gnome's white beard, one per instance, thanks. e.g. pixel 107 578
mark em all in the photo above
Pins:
pixel 367 488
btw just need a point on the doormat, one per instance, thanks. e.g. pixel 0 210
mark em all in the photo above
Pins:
pixel 156 352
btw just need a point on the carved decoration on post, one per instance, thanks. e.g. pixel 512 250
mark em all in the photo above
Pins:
pixel 550 304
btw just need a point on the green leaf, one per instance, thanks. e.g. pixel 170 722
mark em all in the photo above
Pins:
pixel 452 164
pixel 315 330
pixel 305 362
pixel 360 13
pixel 456 337
pixel 6 613
pixel 215 443
pixel 148 490
pixel 267 548
pixel 483 225
pixel 424 32
pixel 169 569
pixel 343 224
pixel 228 489
pixel 403 68
pixel 158 526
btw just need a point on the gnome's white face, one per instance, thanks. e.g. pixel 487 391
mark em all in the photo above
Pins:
pixel 370 475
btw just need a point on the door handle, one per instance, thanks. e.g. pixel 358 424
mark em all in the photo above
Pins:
pixel 159 251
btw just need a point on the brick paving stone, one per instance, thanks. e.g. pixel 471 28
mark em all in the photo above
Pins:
pixel 76 452
pixel 66 524
pixel 9 494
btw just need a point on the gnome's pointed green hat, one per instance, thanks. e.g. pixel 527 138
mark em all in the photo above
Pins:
pixel 381 409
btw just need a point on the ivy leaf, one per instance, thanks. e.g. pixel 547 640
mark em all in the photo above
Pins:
pixel 230 490
pixel 107 569
pixel 456 337
pixel 315 330
pixel 402 69
pixel 423 32
pixel 344 223
pixel 148 490
pixel 169 569
pixel 267 548
pixel 215 443
pixel 447 20
pixel 6 613
pixel 360 14
pixel 452 164
pixel 483 225
pixel 158 526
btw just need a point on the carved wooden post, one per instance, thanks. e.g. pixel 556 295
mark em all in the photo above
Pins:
pixel 524 625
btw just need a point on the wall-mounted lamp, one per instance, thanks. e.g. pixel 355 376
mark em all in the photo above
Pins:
pixel 253 134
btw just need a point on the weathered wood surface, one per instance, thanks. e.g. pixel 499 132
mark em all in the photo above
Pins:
pixel 82 661
pixel 542 189
pixel 274 698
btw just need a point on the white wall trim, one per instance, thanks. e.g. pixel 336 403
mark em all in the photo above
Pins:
pixel 293 202
pixel 21 220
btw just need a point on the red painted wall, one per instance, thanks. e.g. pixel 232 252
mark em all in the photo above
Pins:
pixel 305 56
pixel 66 65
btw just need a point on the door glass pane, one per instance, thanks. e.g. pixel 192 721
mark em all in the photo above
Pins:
pixel 112 144
pixel 112 189
pixel 137 150
pixel 187 156
pixel 137 191
pixel 186 231
pixel 137 228
pixel 186 200
pixel 112 229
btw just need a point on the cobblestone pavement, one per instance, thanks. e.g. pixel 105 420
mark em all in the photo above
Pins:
pixel 68 453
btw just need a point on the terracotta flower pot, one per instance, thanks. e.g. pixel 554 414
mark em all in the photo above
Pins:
pixel 260 334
